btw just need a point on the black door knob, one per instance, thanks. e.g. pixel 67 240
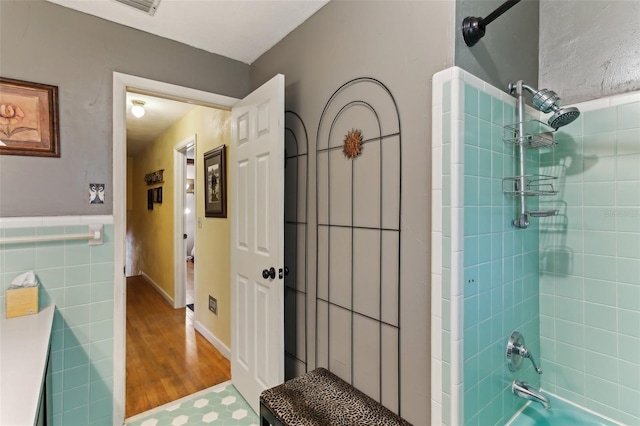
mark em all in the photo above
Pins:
pixel 283 273
pixel 269 273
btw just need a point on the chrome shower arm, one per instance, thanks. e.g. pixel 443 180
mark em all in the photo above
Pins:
pixel 513 87
pixel 529 89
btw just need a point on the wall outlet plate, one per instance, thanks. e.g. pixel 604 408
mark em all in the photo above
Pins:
pixel 213 304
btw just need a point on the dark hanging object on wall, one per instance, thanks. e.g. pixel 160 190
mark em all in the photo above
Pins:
pixel 154 177
pixel 473 28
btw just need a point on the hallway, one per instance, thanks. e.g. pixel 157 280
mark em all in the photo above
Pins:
pixel 166 358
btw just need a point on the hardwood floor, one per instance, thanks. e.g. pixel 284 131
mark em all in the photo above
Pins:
pixel 166 358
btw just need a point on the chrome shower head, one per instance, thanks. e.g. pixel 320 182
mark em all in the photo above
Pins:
pixel 563 116
pixel 547 101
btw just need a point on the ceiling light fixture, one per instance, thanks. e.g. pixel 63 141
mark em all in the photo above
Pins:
pixel 137 109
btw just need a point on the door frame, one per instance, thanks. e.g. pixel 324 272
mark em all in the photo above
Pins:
pixel 122 83
pixel 179 252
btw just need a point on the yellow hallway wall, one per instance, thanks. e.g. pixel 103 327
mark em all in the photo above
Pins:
pixel 152 230
pixel 213 240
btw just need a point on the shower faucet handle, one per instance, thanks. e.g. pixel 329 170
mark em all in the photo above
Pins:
pixel 516 350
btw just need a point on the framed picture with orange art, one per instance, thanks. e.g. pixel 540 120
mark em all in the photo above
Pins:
pixel 28 119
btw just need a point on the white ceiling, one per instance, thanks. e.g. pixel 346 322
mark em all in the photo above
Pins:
pixel 238 29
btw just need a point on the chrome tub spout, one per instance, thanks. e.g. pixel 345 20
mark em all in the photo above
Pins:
pixel 523 390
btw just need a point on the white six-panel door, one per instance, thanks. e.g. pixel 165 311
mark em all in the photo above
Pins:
pixel 257 241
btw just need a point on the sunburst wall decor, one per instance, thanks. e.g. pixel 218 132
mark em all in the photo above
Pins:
pixel 352 146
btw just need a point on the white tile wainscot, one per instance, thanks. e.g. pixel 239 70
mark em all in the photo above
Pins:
pixel 24 348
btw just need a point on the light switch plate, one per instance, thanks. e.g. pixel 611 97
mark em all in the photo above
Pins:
pixel 213 304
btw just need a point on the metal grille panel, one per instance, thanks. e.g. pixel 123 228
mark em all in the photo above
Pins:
pixel 358 241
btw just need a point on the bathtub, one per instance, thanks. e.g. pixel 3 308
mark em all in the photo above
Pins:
pixel 561 413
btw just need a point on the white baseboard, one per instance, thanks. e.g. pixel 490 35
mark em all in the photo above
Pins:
pixel 158 288
pixel 224 349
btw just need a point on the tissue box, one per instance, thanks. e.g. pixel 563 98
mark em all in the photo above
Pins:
pixel 21 301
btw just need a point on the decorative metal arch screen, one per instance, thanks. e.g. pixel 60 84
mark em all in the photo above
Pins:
pixel 295 247
pixel 358 241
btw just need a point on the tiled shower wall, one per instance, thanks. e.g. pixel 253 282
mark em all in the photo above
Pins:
pixel 590 261
pixel 78 279
pixel 485 272
pixel 583 285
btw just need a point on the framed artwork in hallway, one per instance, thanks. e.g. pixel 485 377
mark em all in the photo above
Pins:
pixel 215 183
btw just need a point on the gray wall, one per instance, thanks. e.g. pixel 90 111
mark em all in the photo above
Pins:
pixel 509 50
pixel 591 50
pixel 390 42
pixel 46 43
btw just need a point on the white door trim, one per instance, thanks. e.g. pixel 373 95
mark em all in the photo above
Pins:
pixel 122 82
pixel 179 252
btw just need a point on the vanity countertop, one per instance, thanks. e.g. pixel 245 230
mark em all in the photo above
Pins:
pixel 24 347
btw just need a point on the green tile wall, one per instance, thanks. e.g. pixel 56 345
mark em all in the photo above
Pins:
pixel 590 264
pixel 569 283
pixel 78 279
pixel 500 264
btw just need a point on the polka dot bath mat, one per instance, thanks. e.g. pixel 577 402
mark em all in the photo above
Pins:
pixel 218 405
